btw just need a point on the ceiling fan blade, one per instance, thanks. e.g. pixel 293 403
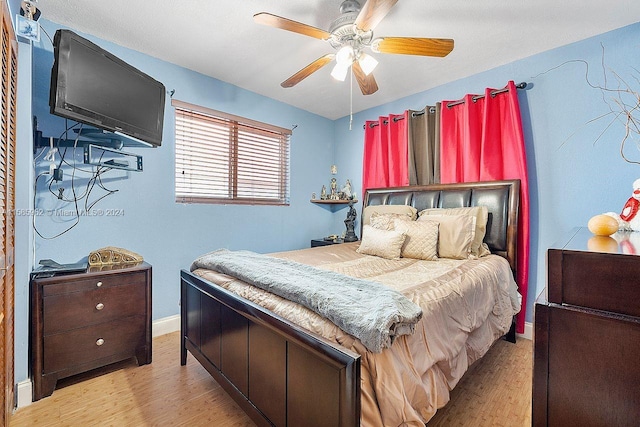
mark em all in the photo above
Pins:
pixel 372 13
pixel 413 46
pixel 368 83
pixel 271 20
pixel 308 70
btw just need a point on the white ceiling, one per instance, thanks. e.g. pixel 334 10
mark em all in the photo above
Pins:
pixel 221 40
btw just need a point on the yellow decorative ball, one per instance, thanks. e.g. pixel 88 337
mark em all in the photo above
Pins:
pixel 602 225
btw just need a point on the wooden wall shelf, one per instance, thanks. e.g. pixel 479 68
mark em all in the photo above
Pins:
pixel 333 202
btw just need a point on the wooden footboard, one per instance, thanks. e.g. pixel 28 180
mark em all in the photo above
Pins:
pixel 276 371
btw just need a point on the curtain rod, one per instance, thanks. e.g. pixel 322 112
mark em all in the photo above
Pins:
pixel 421 112
pixel 521 85
pixel 432 110
pixel 395 119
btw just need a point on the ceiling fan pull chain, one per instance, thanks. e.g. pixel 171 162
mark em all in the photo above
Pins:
pixel 351 99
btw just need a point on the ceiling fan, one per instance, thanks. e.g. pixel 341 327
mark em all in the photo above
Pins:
pixel 350 34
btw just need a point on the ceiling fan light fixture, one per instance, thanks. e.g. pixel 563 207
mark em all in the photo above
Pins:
pixel 367 62
pixel 345 56
pixel 339 71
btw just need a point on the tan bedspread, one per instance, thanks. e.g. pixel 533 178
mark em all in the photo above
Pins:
pixel 466 306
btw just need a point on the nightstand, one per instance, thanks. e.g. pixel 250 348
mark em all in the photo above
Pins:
pixel 84 321
pixel 322 242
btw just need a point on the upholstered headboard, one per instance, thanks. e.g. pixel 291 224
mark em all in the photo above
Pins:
pixel 502 199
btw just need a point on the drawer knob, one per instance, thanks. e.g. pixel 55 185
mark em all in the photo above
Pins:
pixel 99 306
pixel 99 342
pixel 99 284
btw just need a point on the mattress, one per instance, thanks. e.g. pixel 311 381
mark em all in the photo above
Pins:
pixel 467 305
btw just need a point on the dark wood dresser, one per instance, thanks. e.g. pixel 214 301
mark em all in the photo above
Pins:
pixel 84 321
pixel 587 334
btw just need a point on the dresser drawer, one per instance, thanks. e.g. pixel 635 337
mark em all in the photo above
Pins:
pixel 598 280
pixel 63 285
pixel 71 310
pixel 81 346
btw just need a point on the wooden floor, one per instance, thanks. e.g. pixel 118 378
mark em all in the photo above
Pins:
pixel 495 392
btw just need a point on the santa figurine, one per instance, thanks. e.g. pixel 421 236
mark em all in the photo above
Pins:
pixel 629 218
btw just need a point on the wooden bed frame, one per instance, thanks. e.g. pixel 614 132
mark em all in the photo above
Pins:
pixel 281 374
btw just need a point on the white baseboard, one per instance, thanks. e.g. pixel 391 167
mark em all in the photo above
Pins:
pixel 167 325
pixel 528 331
pixel 24 393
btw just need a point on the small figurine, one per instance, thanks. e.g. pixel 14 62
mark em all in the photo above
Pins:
pixel 630 210
pixel 334 189
pixel 350 236
pixel 323 193
pixel 346 190
pixel 313 196
pixel 629 219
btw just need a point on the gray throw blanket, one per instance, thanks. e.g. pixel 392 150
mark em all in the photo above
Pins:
pixel 367 310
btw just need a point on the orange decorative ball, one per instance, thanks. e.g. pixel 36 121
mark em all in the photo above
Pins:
pixel 602 225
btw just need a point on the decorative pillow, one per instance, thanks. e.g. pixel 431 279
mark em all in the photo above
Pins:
pixel 382 243
pixel 382 209
pixel 384 221
pixel 422 239
pixel 455 234
pixel 482 216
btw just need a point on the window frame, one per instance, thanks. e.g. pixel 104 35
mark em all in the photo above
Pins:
pixel 243 135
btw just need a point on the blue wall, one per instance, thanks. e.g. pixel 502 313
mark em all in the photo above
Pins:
pixel 571 178
pixel 14 7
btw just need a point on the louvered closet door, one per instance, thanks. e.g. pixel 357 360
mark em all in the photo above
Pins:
pixel 8 105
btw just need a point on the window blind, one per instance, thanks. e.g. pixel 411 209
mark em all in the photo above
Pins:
pixel 222 158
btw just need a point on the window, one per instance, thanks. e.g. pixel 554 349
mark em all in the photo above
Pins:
pixel 221 158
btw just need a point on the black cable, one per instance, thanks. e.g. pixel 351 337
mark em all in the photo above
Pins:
pixel 35 186
pixel 47 34
pixel 86 193
pixel 96 177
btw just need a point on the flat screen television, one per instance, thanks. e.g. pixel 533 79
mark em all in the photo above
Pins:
pixel 93 86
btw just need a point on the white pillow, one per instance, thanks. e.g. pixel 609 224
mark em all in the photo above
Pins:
pixel 422 239
pixel 478 248
pixel 455 234
pixel 382 209
pixel 384 221
pixel 382 243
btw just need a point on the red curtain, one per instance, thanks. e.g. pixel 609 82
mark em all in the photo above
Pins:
pixel 386 154
pixel 482 140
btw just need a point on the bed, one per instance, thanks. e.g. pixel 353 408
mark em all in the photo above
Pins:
pixel 287 366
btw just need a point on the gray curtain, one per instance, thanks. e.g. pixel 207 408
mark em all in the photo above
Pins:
pixel 424 145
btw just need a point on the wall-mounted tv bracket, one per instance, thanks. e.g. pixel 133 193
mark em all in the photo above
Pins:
pixel 87 135
pixel 101 148
pixel 108 157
